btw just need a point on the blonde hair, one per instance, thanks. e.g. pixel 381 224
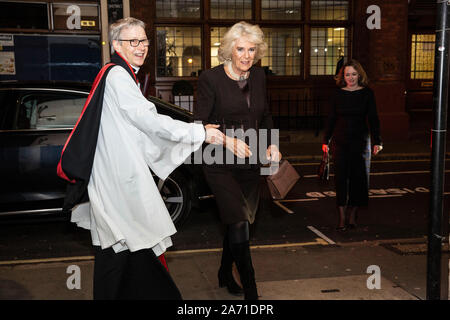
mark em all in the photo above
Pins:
pixel 116 28
pixel 363 80
pixel 253 33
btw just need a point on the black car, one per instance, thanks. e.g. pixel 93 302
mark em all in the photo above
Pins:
pixel 35 121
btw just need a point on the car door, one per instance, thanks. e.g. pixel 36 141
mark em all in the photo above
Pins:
pixel 31 146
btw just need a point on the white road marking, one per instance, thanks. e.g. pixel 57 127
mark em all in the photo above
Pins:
pixel 298 200
pixel 320 234
pixel 283 207
pixel 386 196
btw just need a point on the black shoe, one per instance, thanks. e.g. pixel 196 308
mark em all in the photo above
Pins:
pixel 243 259
pixel 226 279
pixel 341 229
pixel 352 226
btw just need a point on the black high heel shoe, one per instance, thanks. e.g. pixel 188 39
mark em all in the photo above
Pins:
pixel 226 279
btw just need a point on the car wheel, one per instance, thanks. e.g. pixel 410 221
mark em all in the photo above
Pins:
pixel 176 195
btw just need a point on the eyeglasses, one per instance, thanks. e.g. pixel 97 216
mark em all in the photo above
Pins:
pixel 136 42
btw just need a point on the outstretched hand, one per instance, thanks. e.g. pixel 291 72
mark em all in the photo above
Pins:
pixel 273 154
pixel 238 147
pixel 213 135
pixel 376 149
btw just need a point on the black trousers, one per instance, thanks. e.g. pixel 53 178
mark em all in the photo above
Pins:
pixel 129 275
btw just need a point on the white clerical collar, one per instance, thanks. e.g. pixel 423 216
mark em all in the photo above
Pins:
pixel 135 69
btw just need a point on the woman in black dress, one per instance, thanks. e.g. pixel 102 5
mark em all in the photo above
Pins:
pixel 233 95
pixel 353 108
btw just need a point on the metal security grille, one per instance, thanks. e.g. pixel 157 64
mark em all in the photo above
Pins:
pixel 178 8
pixel 328 46
pixel 329 9
pixel 217 34
pixel 231 9
pixel 283 56
pixel 281 9
pixel 422 56
pixel 178 51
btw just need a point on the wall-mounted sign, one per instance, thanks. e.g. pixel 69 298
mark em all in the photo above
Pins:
pixel 7 63
pixel 426 84
pixel 6 40
pixel 75 17
pixel 115 10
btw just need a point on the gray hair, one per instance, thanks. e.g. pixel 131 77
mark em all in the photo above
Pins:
pixel 253 33
pixel 116 28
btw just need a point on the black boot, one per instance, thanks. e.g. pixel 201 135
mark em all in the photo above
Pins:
pixel 243 259
pixel 225 274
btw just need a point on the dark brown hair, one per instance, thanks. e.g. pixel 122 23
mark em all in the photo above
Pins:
pixel 363 80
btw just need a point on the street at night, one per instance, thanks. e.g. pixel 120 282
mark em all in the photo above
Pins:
pixel 394 226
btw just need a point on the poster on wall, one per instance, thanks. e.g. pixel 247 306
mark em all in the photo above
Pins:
pixel 7 63
pixel 6 40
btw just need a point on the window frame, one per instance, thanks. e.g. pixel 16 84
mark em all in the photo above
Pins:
pixel 205 22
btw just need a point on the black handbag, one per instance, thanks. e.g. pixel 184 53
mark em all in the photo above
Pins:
pixel 324 168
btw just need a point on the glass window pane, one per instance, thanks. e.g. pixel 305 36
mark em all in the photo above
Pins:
pixel 178 8
pixel 329 9
pixel 178 51
pixel 50 110
pixel 422 56
pixel 231 9
pixel 283 56
pixel 216 36
pixel 23 15
pixel 328 45
pixel 281 9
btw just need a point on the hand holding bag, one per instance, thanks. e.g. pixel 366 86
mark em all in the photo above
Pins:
pixel 324 168
pixel 282 181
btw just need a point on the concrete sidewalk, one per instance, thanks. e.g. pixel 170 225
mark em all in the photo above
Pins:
pixel 312 271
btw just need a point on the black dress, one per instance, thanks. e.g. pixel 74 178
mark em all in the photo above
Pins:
pixel 220 100
pixel 352 113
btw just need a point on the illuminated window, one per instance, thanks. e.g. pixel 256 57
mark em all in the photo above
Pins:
pixel 178 51
pixel 283 56
pixel 328 45
pixel 231 9
pixel 422 56
pixel 178 8
pixel 216 36
pixel 281 9
pixel 329 9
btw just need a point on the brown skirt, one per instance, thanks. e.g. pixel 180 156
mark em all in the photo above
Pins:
pixel 236 191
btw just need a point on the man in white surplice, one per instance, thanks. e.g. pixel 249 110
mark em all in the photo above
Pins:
pixel 128 220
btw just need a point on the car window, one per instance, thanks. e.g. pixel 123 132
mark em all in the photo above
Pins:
pixel 47 110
